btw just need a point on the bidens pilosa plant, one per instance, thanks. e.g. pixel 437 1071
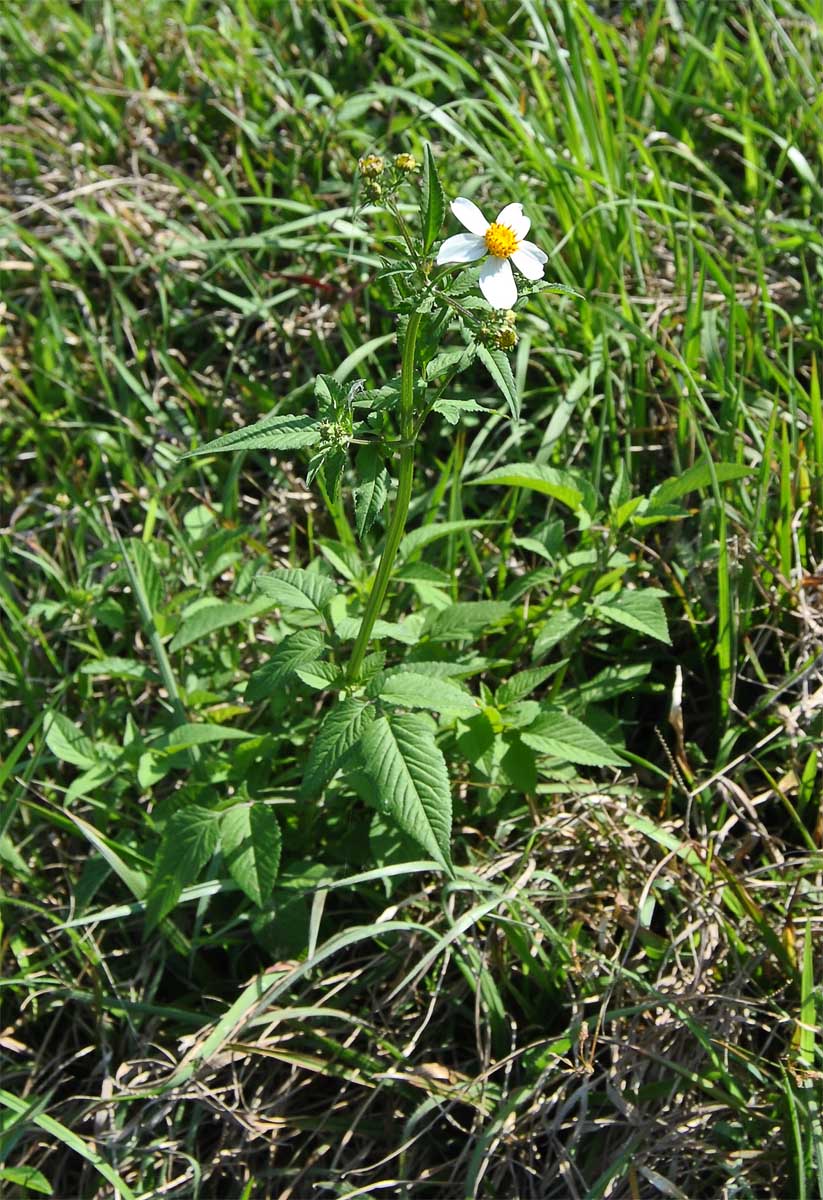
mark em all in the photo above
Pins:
pixel 395 691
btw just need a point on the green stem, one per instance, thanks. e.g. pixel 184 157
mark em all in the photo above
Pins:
pixel 397 523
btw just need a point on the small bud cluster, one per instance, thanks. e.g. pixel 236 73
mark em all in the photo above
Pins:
pixel 333 435
pixel 498 330
pixel 381 180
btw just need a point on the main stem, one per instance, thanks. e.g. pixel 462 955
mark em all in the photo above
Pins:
pixel 397 523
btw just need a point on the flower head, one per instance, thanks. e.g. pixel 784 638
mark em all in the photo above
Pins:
pixel 406 163
pixel 371 165
pixel 502 240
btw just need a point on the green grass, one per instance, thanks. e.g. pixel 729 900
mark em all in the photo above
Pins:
pixel 616 994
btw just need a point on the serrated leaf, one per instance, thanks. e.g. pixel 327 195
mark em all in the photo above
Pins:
pixel 465 619
pixel 499 367
pixel 189 841
pixel 70 744
pixel 564 737
pixel 407 632
pixel 251 841
pixel 341 728
pixel 371 490
pixel 640 610
pixel 696 477
pixel 453 410
pixel 521 713
pixel 334 464
pixel 458 359
pixel 328 393
pixel 296 588
pixel 272 433
pixel 548 481
pixel 440 669
pixel 411 689
pixel 295 650
pixel 558 626
pixel 523 684
pixel 610 682
pixel 434 205
pixel 216 614
pixel 411 782
pixel 320 675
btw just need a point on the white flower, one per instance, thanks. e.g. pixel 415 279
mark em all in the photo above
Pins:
pixel 502 240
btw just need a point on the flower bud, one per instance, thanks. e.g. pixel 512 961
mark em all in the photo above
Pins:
pixel 406 163
pixel 372 166
pixel 498 330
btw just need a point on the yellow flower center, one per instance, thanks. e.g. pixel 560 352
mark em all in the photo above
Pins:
pixel 500 240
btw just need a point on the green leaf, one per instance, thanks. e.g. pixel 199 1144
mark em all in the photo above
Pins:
pixel 640 610
pixel 70 744
pixel 453 410
pixel 558 626
pixel 372 489
pixel 519 765
pixel 28 1111
pixel 27 1177
pixel 296 588
pixel 89 781
pixel 426 534
pixel 272 433
pixel 189 841
pixel 334 464
pixel 198 735
pixel 499 367
pixel 434 204
pixel 697 477
pixel 562 486
pixel 295 650
pixel 119 668
pixel 329 394
pixel 320 675
pixel 412 690
pixel 408 771
pixel 341 729
pixel 251 841
pixel 148 577
pixel 523 684
pixel 564 737
pixel 452 361
pixel 214 615
pixel 407 632
pixel 465 619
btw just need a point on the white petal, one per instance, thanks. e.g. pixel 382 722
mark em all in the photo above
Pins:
pixel 469 215
pixel 462 248
pixel 513 216
pixel 497 283
pixel 535 250
pixel 528 263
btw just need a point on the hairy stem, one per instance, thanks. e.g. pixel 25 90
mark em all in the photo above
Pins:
pixel 397 523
